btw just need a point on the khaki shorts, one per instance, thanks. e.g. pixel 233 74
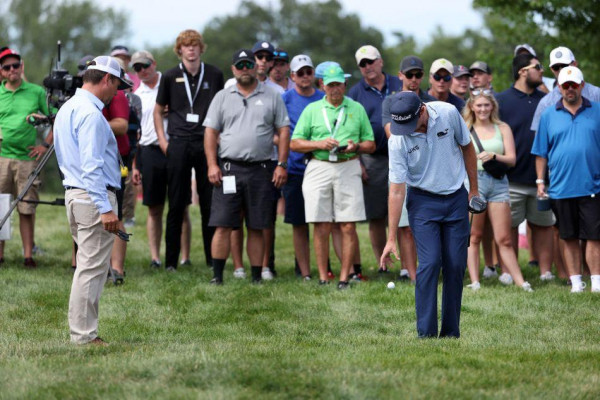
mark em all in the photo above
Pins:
pixel 333 192
pixel 13 177
pixel 523 206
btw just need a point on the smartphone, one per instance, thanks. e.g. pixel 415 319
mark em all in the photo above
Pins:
pixel 341 148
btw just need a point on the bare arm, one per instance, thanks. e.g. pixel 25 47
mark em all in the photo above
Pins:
pixel 395 202
pixel 119 126
pixel 307 146
pixel 280 173
pixel 211 139
pixel 158 115
pixel 509 157
pixel 471 167
pixel 387 129
pixel 540 171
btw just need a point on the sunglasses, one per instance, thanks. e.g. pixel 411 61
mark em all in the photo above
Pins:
pixel 558 67
pixel 445 78
pixel 139 67
pixel 410 75
pixel 281 54
pixel 7 67
pixel 570 85
pixel 537 67
pixel 302 72
pixel 485 92
pixel 267 57
pixel 244 64
pixel 364 62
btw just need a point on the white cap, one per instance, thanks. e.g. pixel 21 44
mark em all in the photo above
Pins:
pixel 369 52
pixel 561 55
pixel 526 47
pixel 441 63
pixel 570 74
pixel 300 61
pixel 112 66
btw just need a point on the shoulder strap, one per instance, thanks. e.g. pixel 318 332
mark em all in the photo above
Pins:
pixel 477 141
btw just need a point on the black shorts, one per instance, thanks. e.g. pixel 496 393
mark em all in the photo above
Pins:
pixel 152 163
pixel 578 217
pixel 294 200
pixel 254 196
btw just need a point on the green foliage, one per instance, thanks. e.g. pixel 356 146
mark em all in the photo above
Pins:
pixel 83 27
pixel 545 25
pixel 174 336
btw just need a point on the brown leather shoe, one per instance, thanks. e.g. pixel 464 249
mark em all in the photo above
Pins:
pixel 98 342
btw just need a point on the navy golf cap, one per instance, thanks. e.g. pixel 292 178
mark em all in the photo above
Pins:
pixel 404 110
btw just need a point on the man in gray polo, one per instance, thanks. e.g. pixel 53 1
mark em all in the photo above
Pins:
pixel 243 122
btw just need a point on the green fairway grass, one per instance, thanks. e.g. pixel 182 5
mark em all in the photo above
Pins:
pixel 174 336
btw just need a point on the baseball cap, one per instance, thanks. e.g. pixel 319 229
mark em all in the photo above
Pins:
pixel 461 70
pixel 369 52
pixel 320 69
pixel 409 63
pixel 441 63
pixel 404 110
pixel 525 46
pixel 9 53
pixel 300 61
pixel 263 46
pixel 83 64
pixel 119 51
pixel 242 55
pixel 281 54
pixel 142 57
pixel 334 73
pixel 480 66
pixel 561 55
pixel 570 74
pixel 111 65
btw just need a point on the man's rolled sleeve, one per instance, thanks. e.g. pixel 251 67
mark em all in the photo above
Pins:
pixel 398 162
pixel 90 154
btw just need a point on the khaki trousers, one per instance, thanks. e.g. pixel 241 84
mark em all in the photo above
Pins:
pixel 93 260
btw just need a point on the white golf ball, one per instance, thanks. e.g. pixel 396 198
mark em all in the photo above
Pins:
pixel 391 285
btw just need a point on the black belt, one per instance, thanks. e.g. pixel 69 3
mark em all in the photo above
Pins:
pixel 109 188
pixel 244 163
pixel 188 138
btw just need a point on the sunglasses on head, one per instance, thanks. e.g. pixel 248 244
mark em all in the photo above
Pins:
pixel 304 71
pixel 7 67
pixel 244 64
pixel 139 67
pixel 485 92
pixel 262 56
pixel 570 85
pixel 364 62
pixel 445 78
pixel 537 67
pixel 558 67
pixel 410 75
pixel 281 54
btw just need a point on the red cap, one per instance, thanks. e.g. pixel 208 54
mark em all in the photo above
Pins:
pixel 9 52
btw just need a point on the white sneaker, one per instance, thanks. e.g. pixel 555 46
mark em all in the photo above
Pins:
pixel 266 274
pixel 474 286
pixel 526 287
pixel 489 272
pixel 547 276
pixel 506 279
pixel 595 289
pixel 239 273
pixel 578 288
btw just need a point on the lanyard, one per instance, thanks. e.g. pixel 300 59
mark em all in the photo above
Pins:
pixel 387 88
pixel 187 85
pixel 337 123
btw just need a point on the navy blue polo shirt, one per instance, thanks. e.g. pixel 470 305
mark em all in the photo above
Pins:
pixel 371 99
pixel 517 109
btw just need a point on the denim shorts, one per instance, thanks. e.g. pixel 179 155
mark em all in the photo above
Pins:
pixel 491 189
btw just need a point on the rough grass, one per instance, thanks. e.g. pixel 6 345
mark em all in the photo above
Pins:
pixel 173 336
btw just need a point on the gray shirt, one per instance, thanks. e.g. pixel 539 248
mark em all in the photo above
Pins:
pixel 590 92
pixel 432 161
pixel 246 125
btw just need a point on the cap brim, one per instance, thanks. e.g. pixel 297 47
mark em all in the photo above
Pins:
pixel 334 79
pixel 125 84
pixel 404 129
pixel 458 75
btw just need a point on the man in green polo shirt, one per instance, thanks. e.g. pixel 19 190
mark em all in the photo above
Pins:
pixel 18 101
pixel 335 130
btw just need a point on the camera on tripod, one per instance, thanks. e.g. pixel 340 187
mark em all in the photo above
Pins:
pixel 60 85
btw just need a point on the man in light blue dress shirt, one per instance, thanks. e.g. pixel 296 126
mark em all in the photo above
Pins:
pixel 87 155
pixel 431 152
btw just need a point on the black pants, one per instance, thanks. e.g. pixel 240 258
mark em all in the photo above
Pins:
pixel 183 155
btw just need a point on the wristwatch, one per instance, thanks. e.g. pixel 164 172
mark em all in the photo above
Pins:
pixel 282 164
pixel 538 181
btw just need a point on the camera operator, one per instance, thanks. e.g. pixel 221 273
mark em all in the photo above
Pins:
pixel 20 100
pixel 87 155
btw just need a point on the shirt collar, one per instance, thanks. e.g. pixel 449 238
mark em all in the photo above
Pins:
pixel 584 104
pixel 143 87
pixel 327 104
pixel 90 96
pixel 259 89
pixel 367 87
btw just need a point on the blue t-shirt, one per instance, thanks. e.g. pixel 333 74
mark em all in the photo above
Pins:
pixel 371 99
pixel 517 109
pixel 295 104
pixel 571 144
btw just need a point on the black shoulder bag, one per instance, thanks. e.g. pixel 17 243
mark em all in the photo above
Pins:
pixel 495 168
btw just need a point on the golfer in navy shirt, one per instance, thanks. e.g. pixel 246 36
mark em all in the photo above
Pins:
pixel 431 152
